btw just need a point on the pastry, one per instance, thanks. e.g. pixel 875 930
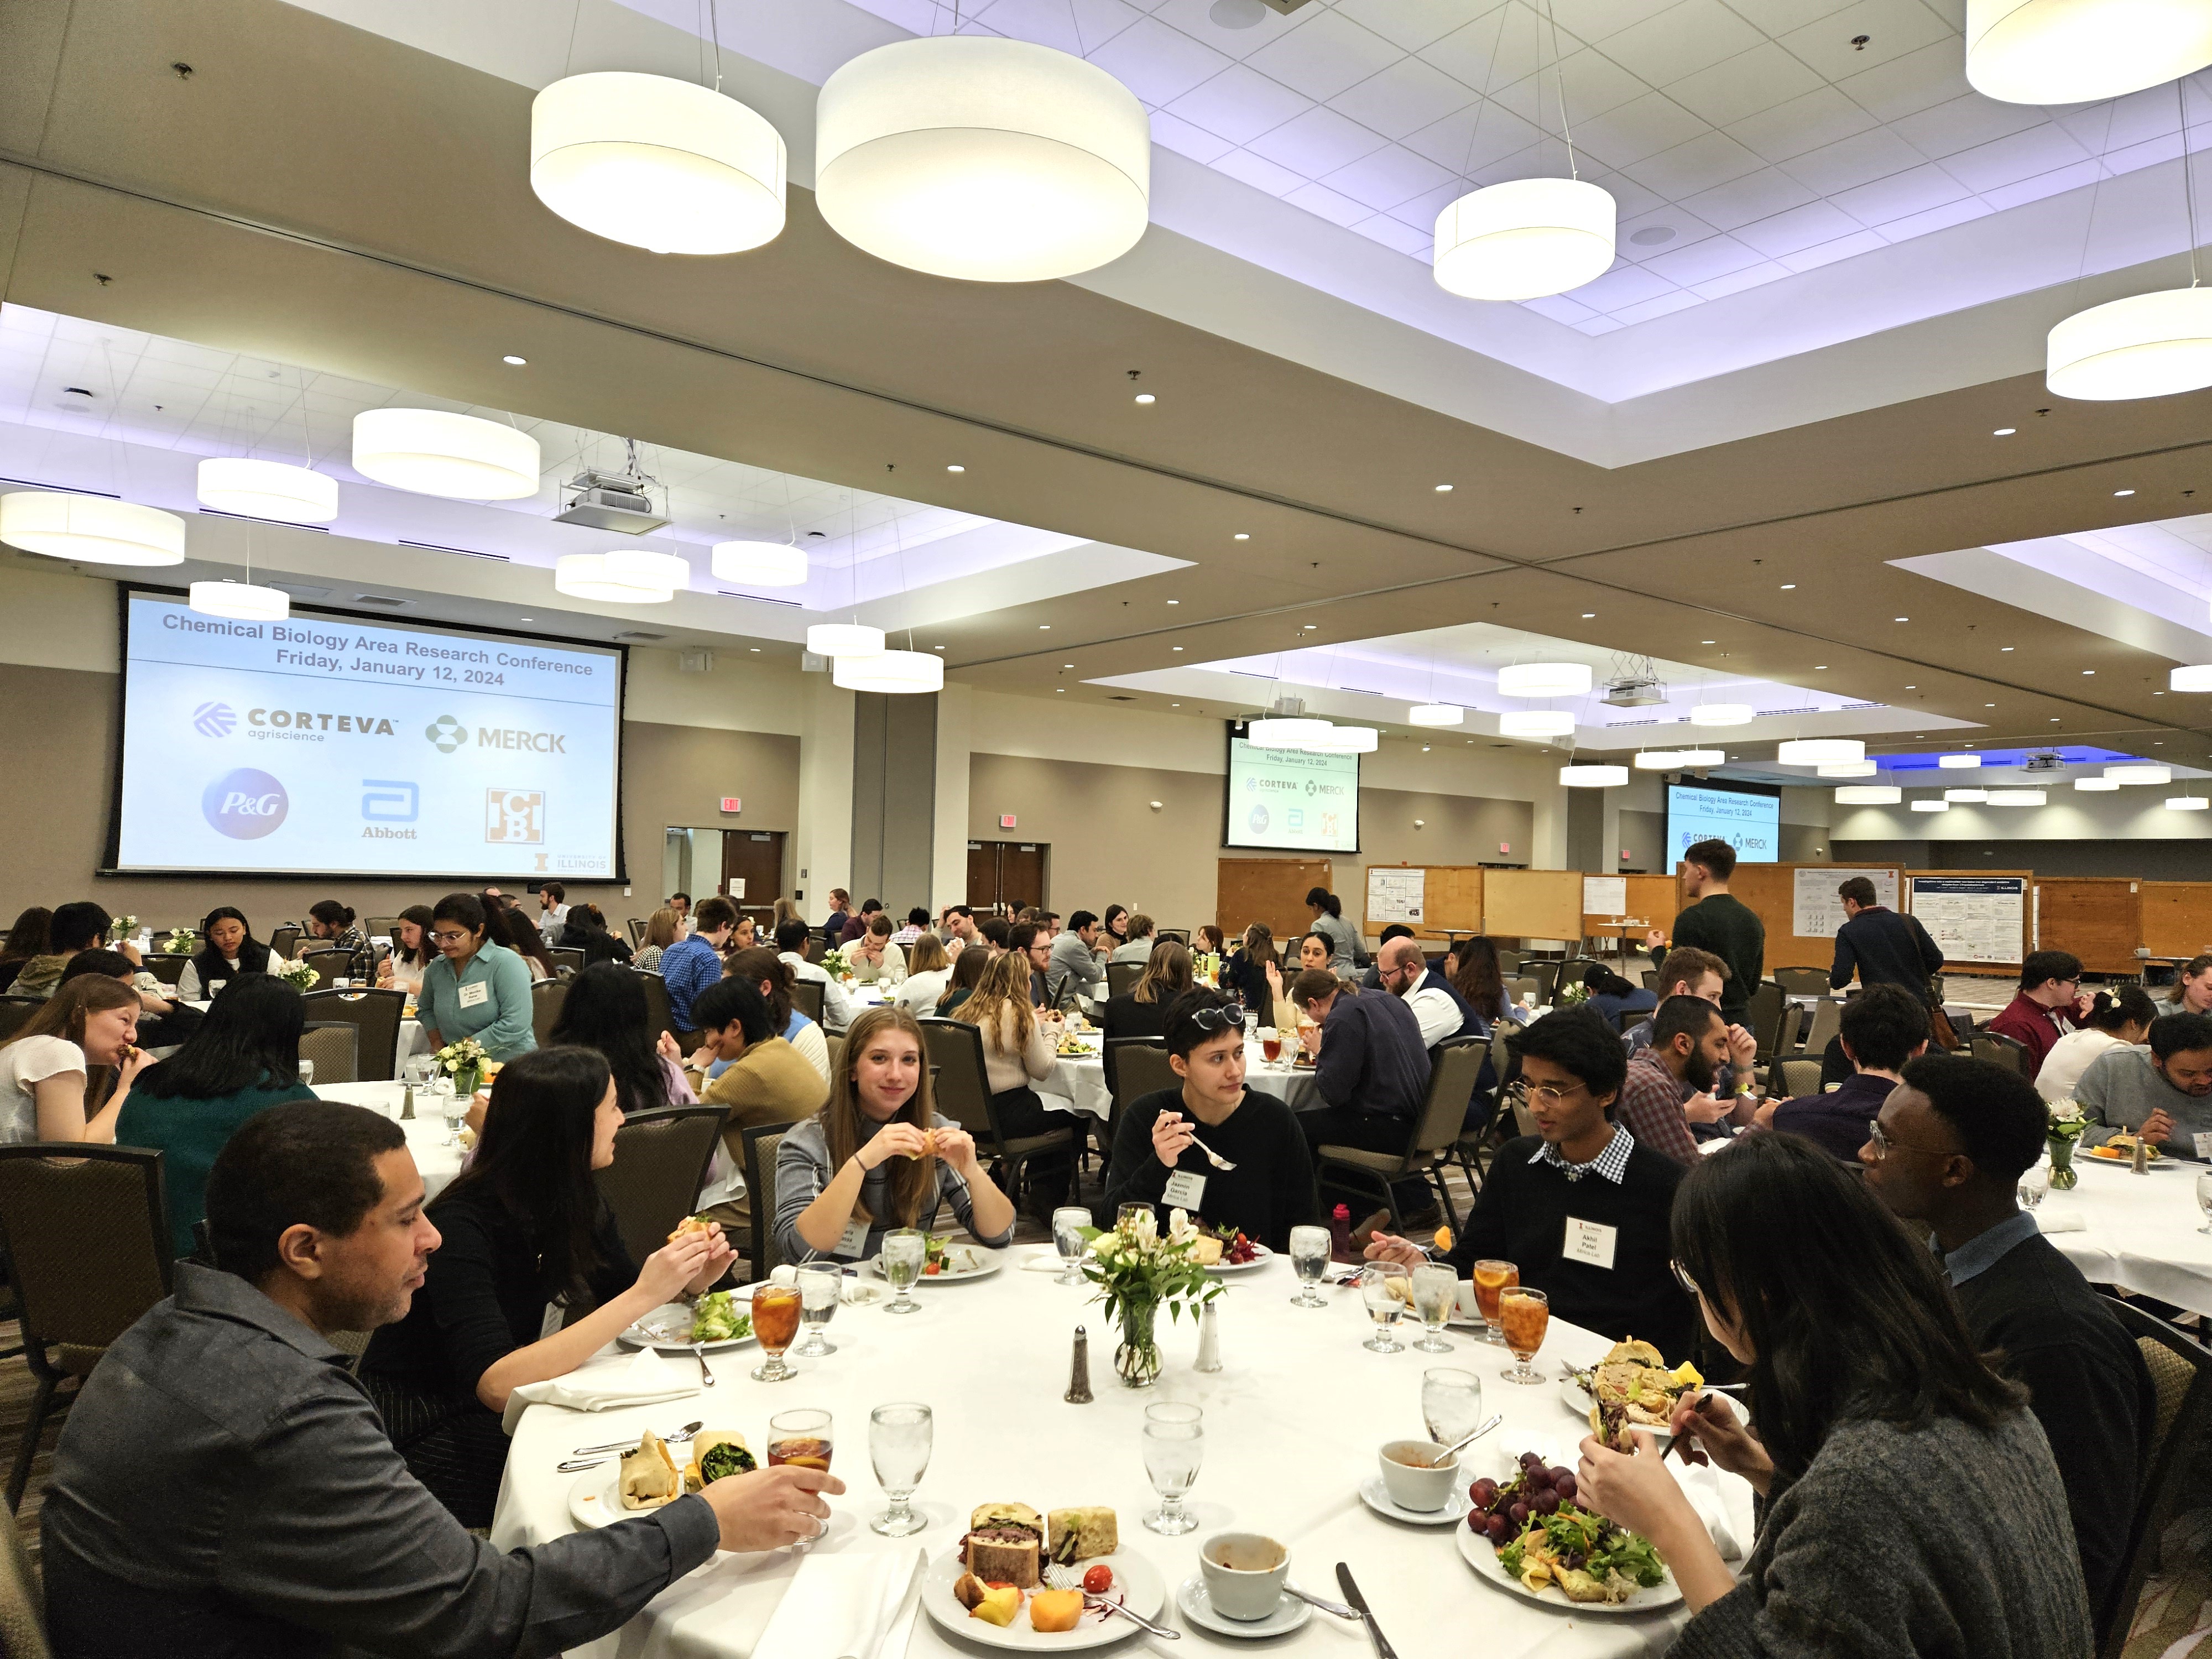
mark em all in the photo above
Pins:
pixel 1079 1533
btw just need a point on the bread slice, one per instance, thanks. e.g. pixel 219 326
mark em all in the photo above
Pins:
pixel 1004 1544
pixel 1079 1533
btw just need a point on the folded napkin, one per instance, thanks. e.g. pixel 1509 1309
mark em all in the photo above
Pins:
pixel 2059 1221
pixel 1044 1261
pixel 643 1379
pixel 839 1606
pixel 1701 1484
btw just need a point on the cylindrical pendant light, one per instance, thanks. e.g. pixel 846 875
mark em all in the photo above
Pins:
pixel 1820 751
pixel 2098 785
pixel 90 529
pixel 1525 239
pixel 621 576
pixel 894 672
pixel 1958 762
pixel 435 452
pixel 657 163
pixel 1868 794
pixel 2139 772
pixel 993 159
pixel 267 490
pixel 1592 777
pixel 1535 723
pixel 1721 714
pixel 1286 732
pixel 1864 769
pixel 2015 798
pixel 1968 797
pixel 1545 679
pixel 760 564
pixel 1701 757
pixel 2083 51
pixel 2186 803
pixel 240 601
pixel 1657 760
pixel 844 640
pixel 1435 713
pixel 1931 806
pixel 2195 677
pixel 2145 346
pixel 1345 740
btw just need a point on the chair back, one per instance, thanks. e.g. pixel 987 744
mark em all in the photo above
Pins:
pixel 2181 1377
pixel 1652 979
pixel 657 1016
pixel 329 965
pixel 759 1146
pixel 22 1604
pixel 547 997
pixel 1508 962
pixel 1455 1069
pixel 86 1230
pixel 1802 981
pixel 1828 1020
pixel 835 1042
pixel 333 1047
pixel 167 969
pixel 1135 1067
pixel 1764 1017
pixel 1786 1034
pixel 15 1013
pixel 1996 1047
pixel 282 941
pixel 1786 1079
pixel 382 928
pixel 569 958
pixel 1121 977
pixel 1629 1018
pixel 378 1013
pixel 807 995
pixel 1546 976
pixel 1180 935
pixel 636 931
pixel 660 1163
pixel 963 1083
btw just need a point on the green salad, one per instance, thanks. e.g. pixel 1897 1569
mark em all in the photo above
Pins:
pixel 716 1319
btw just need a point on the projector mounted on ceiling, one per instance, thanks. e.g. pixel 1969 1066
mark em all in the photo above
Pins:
pixel 2044 760
pixel 1635 693
pixel 614 500
pixel 1285 7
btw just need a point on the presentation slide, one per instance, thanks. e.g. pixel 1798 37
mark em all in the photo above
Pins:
pixel 331 746
pixel 1290 800
pixel 1751 823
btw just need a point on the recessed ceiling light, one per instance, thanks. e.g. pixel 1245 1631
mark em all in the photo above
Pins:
pixel 754 649
pixel 1145 398
pixel 513 362
pixel 956 469
pixel 2004 432
pixel 1425 748
pixel 1309 627
pixel 1044 627
pixel 1175 601
pixel 2088 670
pixel 1061 690
pixel 2004 647
pixel 1443 489
pixel 1175 705
pixel 1587 615
pixel 1067 665
pixel 1900 619
pixel 1242 536
pixel 1989 705
pixel 1912 688
pixel 2054 720
pixel 1652 236
pixel 525 619
pixel 2123 492
pixel 1787 586
pixel 1176 648
pixel 1708 641
pixel 936 647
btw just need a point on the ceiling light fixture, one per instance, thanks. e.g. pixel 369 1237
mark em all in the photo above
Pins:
pixel 1868 794
pixel 2139 772
pixel 1721 714
pixel 2004 432
pixel 1535 723
pixel 266 489
pixel 1525 239
pixel 1443 489
pixel 621 576
pixel 1973 797
pixel 240 601
pixel 898 672
pixel 513 362
pixel 760 564
pixel 1242 536
pixel 1236 14
pixel 992 160
pixel 2098 785
pixel 844 640
pixel 657 163
pixel 1701 757
pixel 2186 803
pixel 435 452
pixel 1657 760
pixel 2195 677
pixel 2015 798
pixel 956 469
pixel 2123 492
pixel 1592 777
pixel 1435 713
pixel 2081 52
pixel 1859 768
pixel 1146 397
pixel 1816 751
pixel 90 529
pixel 1931 806
pixel 2148 345
pixel 1286 732
pixel 1345 740
pixel 1958 762
pixel 1545 679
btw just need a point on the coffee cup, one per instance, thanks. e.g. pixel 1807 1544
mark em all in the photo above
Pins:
pixel 1244 1574
pixel 1469 1308
pixel 1413 1480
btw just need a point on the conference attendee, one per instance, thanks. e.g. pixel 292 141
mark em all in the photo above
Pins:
pixel 662 929
pixel 929 972
pixel 1372 1069
pixel 1437 1005
pixel 1329 921
pixel 759 1077
pixel 2192 988
pixel 283 1521
pixel 332 927
pixel 26 939
pixel 876 1157
pixel 1883 946
pixel 1139 934
pixel 477 987
pixel 1371 978
pixel 694 963
pixel 1885 1028
pixel 514 930
pixel 1954 1136
pixel 1670 1084
pixel 1480 979
pixel 584 929
pixel 856 923
pixel 785 909
pixel 1315 951
pixel 163 1023
pixel 1209 938
pixel 769 975
pixel 1018 1044
pixel 681 903
pixel 1028 940
pixel 240 1061
pixel 1688 971
pixel 605 1010
pixel 1073 967
pixel 1113 930
pixel 2162 1093
pixel 411 951
pixel 917 924
pixel 1271 1188
pixel 2118 1019
pixel 791 939
pixel 526 1233
pixel 746 934
pixel 996 932
pixel 68 1070
pixel 1244 970
pixel 1716 921
pixel 1612 996
pixel 1863 1379
pixel 968 970
pixel 77 927
pixel 1142 1010
pixel 872 957
pixel 1584 1177
pixel 2048 1004
pixel 552 909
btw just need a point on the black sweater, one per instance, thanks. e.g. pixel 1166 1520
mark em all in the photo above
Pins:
pixel 1888 949
pixel 1521 1216
pixel 1731 930
pixel 1269 1192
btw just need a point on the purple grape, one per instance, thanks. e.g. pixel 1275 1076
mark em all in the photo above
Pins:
pixel 1500 1529
pixel 1531 1461
pixel 1483 1492
pixel 1519 1512
pixel 1547 1503
pixel 1565 1485
pixel 1553 1476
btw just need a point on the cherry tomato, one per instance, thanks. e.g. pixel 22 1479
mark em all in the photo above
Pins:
pixel 1098 1580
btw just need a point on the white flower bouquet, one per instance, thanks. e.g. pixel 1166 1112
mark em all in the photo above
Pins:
pixel 182 942
pixel 1138 1270
pixel 122 927
pixel 833 963
pixel 298 974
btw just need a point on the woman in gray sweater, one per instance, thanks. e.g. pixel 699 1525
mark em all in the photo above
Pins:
pixel 1909 1504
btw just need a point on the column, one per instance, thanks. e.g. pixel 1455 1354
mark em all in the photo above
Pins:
pixel 825 854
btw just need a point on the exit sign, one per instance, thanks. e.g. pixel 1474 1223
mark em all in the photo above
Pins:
pixel 1006 820
pixel 732 804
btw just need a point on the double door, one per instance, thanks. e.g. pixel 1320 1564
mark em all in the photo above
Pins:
pixel 1003 875
pixel 752 876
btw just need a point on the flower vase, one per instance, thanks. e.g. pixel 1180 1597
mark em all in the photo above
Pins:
pixel 2064 1174
pixel 1137 1356
pixel 465 1081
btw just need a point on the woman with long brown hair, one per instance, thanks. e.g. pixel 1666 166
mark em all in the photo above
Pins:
pixel 876 1157
pixel 968 970
pixel 1142 1010
pixel 65 1074
pixel 1481 979
pixel 26 939
pixel 1019 1051
pixel 662 930
pixel 760 967
pixel 928 971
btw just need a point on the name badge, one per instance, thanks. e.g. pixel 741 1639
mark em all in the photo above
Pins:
pixel 2204 1144
pixel 853 1239
pixel 475 993
pixel 1185 1191
pixel 549 1323
pixel 1588 1242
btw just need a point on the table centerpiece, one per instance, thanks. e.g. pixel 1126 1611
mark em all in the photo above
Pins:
pixel 1138 1270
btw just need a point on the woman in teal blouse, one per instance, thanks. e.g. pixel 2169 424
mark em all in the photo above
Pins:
pixel 474 987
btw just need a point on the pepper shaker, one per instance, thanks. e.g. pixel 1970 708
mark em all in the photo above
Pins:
pixel 407 1104
pixel 2141 1162
pixel 1209 1339
pixel 1078 1381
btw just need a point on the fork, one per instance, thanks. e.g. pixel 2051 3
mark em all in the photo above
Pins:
pixel 684 1433
pixel 1067 1578
pixel 699 1353
pixel 1212 1157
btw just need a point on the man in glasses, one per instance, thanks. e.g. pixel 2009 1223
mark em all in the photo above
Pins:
pixel 1579 1207
pixel 1946 1152
pixel 2162 1093
pixel 2046 1006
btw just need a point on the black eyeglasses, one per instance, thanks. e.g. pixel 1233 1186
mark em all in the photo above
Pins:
pixel 1219 1019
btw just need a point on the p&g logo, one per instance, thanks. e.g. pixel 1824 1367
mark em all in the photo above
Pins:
pixel 214 719
pixel 244 805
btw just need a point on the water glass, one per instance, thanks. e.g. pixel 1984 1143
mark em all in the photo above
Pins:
pixel 1381 1286
pixel 898 1444
pixel 1068 1227
pixel 1451 1403
pixel 2034 1181
pixel 1436 1293
pixel 904 1252
pixel 1174 1443
pixel 2205 1200
pixel 1310 1248
pixel 453 1106
pixel 821 1285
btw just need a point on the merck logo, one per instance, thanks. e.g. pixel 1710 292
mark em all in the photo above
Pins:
pixel 214 719
pixel 244 805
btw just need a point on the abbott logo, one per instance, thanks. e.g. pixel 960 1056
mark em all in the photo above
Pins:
pixel 390 800
pixel 214 719
pixel 446 733
pixel 244 805
pixel 514 816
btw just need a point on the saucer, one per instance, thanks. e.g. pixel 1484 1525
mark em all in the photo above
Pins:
pixel 1197 1607
pixel 1377 1497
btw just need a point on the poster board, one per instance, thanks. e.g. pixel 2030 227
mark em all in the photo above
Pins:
pixel 2099 919
pixel 1649 902
pixel 1980 921
pixel 1395 893
pixel 1815 909
pixel 1770 892
pixel 2177 918
pixel 1270 891
pixel 1533 904
pixel 1605 896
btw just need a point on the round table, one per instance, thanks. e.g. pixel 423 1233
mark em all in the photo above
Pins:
pixel 1293 1420
pixel 1078 1083
pixel 427 1134
pixel 2140 1231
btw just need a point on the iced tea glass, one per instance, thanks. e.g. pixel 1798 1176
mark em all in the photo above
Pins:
pixel 801 1439
pixel 1491 1277
pixel 776 1309
pixel 1525 1314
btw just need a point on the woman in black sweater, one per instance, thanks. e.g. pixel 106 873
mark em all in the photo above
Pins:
pixel 1142 1010
pixel 531 1281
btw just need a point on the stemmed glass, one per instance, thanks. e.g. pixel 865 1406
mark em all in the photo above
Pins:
pixel 306 1072
pixel 1174 1443
pixel 1068 1225
pixel 904 1252
pixel 1436 1293
pixel 2205 1200
pixel 776 1309
pixel 1126 1218
pixel 2034 1183
pixel 821 1284
pixel 1451 1403
pixel 1309 1249
pixel 1380 1282
pixel 898 1444
pixel 1525 1315
pixel 1492 1280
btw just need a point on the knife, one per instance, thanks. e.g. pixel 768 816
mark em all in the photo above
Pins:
pixel 1344 1581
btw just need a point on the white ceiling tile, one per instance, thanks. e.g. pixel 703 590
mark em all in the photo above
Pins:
pixel 1156 63
pixel 1179 136
pixel 1630 199
pixel 2050 184
pixel 1494 51
pixel 1472 138
pixel 1776 18
pixel 1699 165
pixel 1420 211
pixel 1336 208
pixel 1953 13
pixel 1320 141
pixel 2120 122
pixel 1700 262
pixel 1820 117
pixel 1081 28
pixel 1743 85
pixel 1560 308
pixel 2150 153
pixel 1800 227
pixel 1239 104
pixel 1624 284
pixel 1594 83
pixel 1392 234
pixel 1414 24
pixel 1688 228
pixel 1597 326
pixel 1597 20
pixel 1920 80
pixel 1258 170
pixel 1323 57
pixel 1754 197
pixel 1644 311
pixel 1826 253
pixel 1758 276
pixel 1682 40
pixel 1961 122
pixel 1856 161
pixel 2024 155
pixel 1643 126
pixel 1190 17
pixel 1892 28
pixel 1547 158
pixel 1913 191
pixel 1388 176
pixel 1402 99
pixel 1934 219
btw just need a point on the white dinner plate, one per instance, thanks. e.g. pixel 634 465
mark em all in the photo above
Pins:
pixel 1135 1579
pixel 974 1261
pixel 1480 1554
pixel 667 1329
pixel 1376 1496
pixel 1577 1399
pixel 1197 1605
pixel 596 1498
pixel 2128 1164
pixel 1260 1260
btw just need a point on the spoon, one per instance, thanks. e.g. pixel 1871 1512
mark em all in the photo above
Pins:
pixel 1460 1445
pixel 1322 1602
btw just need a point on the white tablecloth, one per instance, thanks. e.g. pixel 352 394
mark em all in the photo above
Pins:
pixel 2142 1231
pixel 411 1040
pixel 1292 1424
pixel 1078 1083
pixel 426 1132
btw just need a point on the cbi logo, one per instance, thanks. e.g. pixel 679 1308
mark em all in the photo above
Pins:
pixel 446 733
pixel 514 817
pixel 214 719
pixel 244 805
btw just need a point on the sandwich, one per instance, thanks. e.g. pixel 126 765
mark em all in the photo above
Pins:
pixel 649 1475
pixel 1206 1250
pixel 716 1454
pixel 1003 1545
pixel 1079 1533
pixel 690 1224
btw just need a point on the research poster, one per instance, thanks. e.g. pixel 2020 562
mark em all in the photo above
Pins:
pixel 1605 896
pixel 1816 912
pixel 1396 896
pixel 1973 918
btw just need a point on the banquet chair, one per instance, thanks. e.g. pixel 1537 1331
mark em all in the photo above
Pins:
pixel 658 1017
pixel 378 1013
pixel 22 1604
pixel 835 1042
pixel 15 1011
pixel 1763 1019
pixel 1802 981
pixel 1508 962
pixel 568 958
pixel 380 927
pixel 1473 1143
pixel 86 1232
pixel 1650 979
pixel 1453 1073
pixel 760 1143
pixel 636 931
pixel 334 1047
pixel 2181 1377
pixel 329 965
pixel 806 995
pixel 963 1094
pixel 166 969
pixel 1629 1018
pixel 1786 1036
pixel 1134 1067
pixel 1180 935
pixel 1519 986
pixel 1121 977
pixel 2000 1050
pixel 1545 975
pixel 282 941
pixel 1787 1079
pixel 661 1164
pixel 547 997
pixel 1828 1020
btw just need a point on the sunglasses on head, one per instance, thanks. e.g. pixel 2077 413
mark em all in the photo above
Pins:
pixel 1219 1019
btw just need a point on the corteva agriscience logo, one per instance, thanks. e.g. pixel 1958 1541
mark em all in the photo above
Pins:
pixel 446 733
pixel 244 805
pixel 214 719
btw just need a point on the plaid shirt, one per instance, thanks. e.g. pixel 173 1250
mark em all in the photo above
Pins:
pixel 1651 1105
pixel 1612 1163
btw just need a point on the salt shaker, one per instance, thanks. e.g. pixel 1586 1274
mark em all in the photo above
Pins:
pixel 1078 1381
pixel 407 1104
pixel 1209 1339
pixel 2141 1164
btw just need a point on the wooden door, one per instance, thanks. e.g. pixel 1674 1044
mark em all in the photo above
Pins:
pixel 752 875
pixel 1005 875
pixel 982 876
pixel 1270 891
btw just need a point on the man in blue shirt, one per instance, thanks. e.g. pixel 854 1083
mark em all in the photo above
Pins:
pixel 691 964
pixel 1372 1068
